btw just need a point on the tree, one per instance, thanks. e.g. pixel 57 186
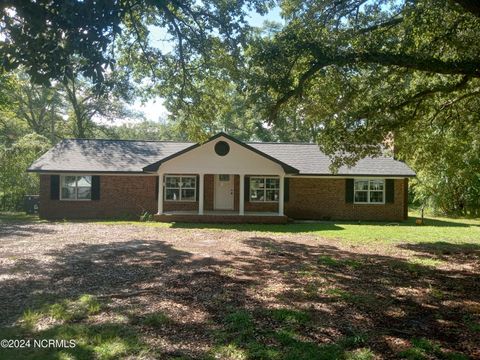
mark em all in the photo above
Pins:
pixel 48 37
pixel 85 105
pixel 147 130
pixel 361 71
pixel 447 162
pixel 10 127
pixel 39 106
pixel 15 183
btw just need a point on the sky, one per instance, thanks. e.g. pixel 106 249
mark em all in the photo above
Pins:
pixel 153 109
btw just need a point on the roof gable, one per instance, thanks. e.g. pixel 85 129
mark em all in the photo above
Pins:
pixel 286 167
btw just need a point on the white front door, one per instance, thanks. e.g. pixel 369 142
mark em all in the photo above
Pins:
pixel 224 192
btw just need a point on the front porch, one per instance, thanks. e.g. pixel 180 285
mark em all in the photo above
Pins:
pixel 225 198
pixel 226 217
pixel 221 180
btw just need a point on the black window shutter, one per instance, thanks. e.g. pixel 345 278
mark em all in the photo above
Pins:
pixel 246 188
pixel 96 187
pixel 198 187
pixel 157 182
pixel 286 190
pixel 54 187
pixel 349 191
pixel 389 191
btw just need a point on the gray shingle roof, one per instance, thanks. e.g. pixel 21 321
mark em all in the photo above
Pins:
pixel 105 155
pixel 308 159
pixel 132 156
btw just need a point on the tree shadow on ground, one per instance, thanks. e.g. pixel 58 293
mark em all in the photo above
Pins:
pixel 21 229
pixel 316 226
pixel 281 299
pixel 442 250
pixel 276 228
pixel 459 222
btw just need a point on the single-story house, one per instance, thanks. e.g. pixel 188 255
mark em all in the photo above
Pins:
pixel 222 179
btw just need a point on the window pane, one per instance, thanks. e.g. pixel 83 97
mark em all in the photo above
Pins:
pixel 172 181
pixel 257 195
pixel 84 181
pixel 69 181
pixel 376 196
pixel 376 185
pixel 273 183
pixel 361 184
pixel 68 192
pixel 172 194
pixel 68 187
pixel 361 196
pixel 224 177
pixel 84 187
pixel 257 183
pixel 84 193
pixel 188 194
pixel 272 195
pixel 188 182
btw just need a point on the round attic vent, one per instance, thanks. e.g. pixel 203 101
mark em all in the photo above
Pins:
pixel 222 148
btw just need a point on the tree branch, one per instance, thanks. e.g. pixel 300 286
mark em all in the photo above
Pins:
pixel 143 46
pixel 472 6
pixel 413 62
pixel 441 88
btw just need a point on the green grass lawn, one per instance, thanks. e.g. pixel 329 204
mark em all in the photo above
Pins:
pixel 435 229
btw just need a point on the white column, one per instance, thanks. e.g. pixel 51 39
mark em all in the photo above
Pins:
pixel 281 195
pixel 201 194
pixel 160 194
pixel 241 210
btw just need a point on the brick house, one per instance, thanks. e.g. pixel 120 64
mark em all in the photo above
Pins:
pixel 222 179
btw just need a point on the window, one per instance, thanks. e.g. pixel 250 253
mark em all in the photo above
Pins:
pixel 180 188
pixel 224 177
pixel 369 191
pixel 76 187
pixel 264 189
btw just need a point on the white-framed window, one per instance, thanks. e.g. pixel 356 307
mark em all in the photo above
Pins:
pixel 264 189
pixel 73 187
pixel 369 191
pixel 180 188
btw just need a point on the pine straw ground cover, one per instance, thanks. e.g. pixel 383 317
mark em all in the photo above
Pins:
pixel 308 291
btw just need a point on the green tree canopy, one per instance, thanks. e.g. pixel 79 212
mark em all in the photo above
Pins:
pixel 364 70
pixel 48 37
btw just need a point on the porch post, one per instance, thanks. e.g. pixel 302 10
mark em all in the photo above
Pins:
pixel 201 194
pixel 160 194
pixel 281 195
pixel 241 207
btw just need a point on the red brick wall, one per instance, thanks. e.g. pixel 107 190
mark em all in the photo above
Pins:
pixel 261 206
pixel 120 196
pixel 310 198
pixel 316 198
pixel 236 193
pixel 180 205
pixel 208 188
